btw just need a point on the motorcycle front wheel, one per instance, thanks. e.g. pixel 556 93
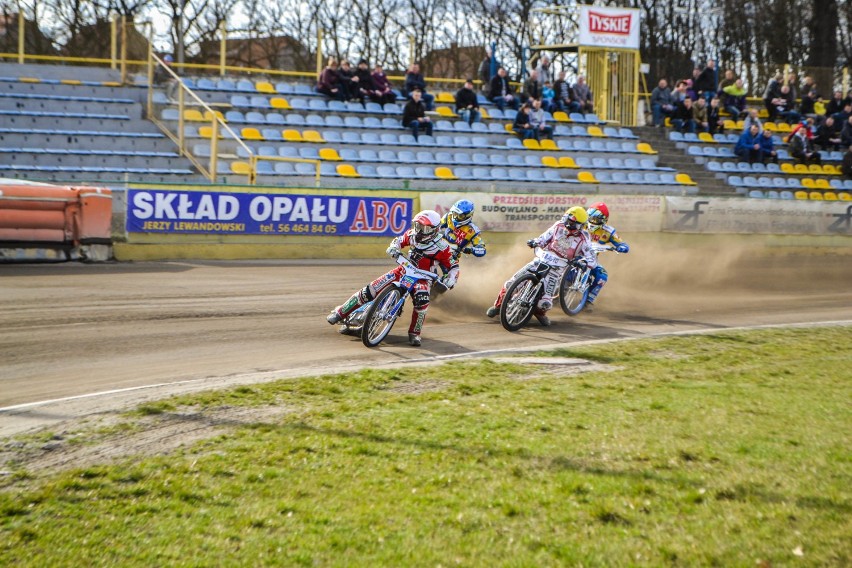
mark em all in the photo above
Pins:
pixel 571 299
pixel 380 317
pixel 519 302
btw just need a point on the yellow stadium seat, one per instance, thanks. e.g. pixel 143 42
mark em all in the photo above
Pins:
pixel 329 155
pixel 763 113
pixel 445 97
pixel 567 162
pixel 586 177
pixel 800 169
pixel 241 168
pixel 71 82
pixel 550 162
pixel 787 168
pixel 844 196
pixel 668 122
pixel 645 148
pixel 815 169
pixel 265 87
pixel 801 195
pixel 548 144
pixel 595 131
pixel 444 172
pixel 279 102
pixel 292 136
pixel 347 170
pixel 193 114
pixel 312 136
pixel 207 132
pixel 531 144
pixel 445 111
pixel 770 126
pixel 729 125
pixel 822 184
pixel 561 116
pixel 111 84
pixel 208 115
pixel 706 137
pixel 684 179
pixel 249 133
pixel 808 183
pixel 829 196
pixel 830 170
pixel 29 80
pixel 484 113
pixel 508 127
pixel 740 124
pixel 783 127
pixel 815 195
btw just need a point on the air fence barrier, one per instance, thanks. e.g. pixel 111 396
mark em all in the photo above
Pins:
pixel 46 222
pixel 230 222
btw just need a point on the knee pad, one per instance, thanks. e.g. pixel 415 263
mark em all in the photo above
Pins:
pixel 365 295
pixel 421 300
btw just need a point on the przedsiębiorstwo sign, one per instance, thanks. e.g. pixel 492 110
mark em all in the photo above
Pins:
pixel 609 27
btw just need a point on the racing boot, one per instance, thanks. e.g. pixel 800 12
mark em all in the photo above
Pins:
pixel 334 317
pixel 414 339
pixel 492 311
pixel 542 318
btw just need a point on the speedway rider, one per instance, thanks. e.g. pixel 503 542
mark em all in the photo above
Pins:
pixel 460 231
pixel 428 251
pixel 567 240
pixel 602 234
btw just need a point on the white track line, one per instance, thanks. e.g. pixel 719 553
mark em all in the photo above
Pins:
pixel 437 358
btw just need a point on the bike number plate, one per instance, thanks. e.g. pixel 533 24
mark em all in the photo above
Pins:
pixel 408 281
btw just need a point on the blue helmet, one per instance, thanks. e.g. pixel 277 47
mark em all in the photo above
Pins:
pixel 462 212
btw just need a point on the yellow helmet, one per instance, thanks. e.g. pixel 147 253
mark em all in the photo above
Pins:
pixel 574 219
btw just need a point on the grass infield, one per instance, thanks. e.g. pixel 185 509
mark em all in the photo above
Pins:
pixel 730 449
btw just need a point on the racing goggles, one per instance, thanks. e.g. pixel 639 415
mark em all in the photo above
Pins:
pixel 462 216
pixel 425 230
pixel 573 225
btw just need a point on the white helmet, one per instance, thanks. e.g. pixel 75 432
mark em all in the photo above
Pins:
pixel 426 226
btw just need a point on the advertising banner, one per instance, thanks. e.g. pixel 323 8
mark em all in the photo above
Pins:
pixel 214 212
pixel 757 216
pixel 609 27
pixel 526 213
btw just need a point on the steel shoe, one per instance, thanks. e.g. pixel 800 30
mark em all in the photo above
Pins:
pixel 492 311
pixel 334 317
pixel 414 340
pixel 543 320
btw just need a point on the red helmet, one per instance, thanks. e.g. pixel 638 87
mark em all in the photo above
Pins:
pixel 598 214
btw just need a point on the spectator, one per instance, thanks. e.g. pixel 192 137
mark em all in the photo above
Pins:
pixel 748 146
pixel 689 90
pixel 846 133
pixel 485 69
pixel 414 81
pixel 782 106
pixel 844 114
pixel 846 166
pixel 714 118
pixel 329 81
pixel 808 85
pixel 679 92
pixel 768 153
pixel 705 83
pixel 165 79
pixel 662 103
pixel 501 92
pixel 366 87
pixel 792 82
pixel 383 86
pixel 522 125
pixel 466 104
pixel 773 89
pixel 808 105
pixel 699 115
pixel 584 95
pixel 735 99
pixel 544 71
pixel 752 118
pixel 828 135
pixel 835 105
pixel 727 81
pixel 538 121
pixel 532 88
pixel 802 149
pixel 564 98
pixel 350 82
pixel 547 97
pixel 682 117
pixel 414 115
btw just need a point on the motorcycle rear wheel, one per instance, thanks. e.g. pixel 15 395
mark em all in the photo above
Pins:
pixel 519 302
pixel 378 321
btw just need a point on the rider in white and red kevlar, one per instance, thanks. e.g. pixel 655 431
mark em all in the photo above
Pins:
pixel 428 251
pixel 567 240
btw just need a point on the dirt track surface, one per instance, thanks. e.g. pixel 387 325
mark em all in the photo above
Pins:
pixel 72 330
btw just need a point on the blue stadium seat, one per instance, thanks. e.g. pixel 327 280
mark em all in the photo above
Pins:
pixel 675 136
pixel 479 127
pixel 265 168
pixel 351 138
pixel 779 182
pixel 309 153
pixel 275 118
pixel 392 108
pixel 407 140
pixel 496 128
pixel 714 166
pixel 254 117
pixel 406 172
pixel 389 139
pixel 481 174
pixel 514 144
pixel 690 137
pixel 170 114
pixel 529 160
pixel 604 177
pixel 764 182
pixel 758 168
pixel 518 160
pixel 708 151
pixel 267 151
pixel 652 178
pixel 353 106
pixel 443 125
pixel 773 168
pixel 388 122
pixel 611 131
pixel 552 174
pixel 756 193
pixel 462 158
pixel 787 194
pixel 332 136
pixel 444 141
pixel 305 169
pixel 425 157
pixel 336 106
pixel 729 167
pixel 516 174
pixel 584 162
pixel 735 181
pixel 772 194
pixel 626 133
pixel 635 177
pixel 314 120
pixel 615 163
pixel 425 172
pixel 750 181
pixel 599 164
pixel 240 101
pixel 284 88
pixel 271 134
pixel 353 122
pixel 620 177
pixel 318 104
pixel 299 104
pixel 388 156
pixel 444 158
pixel 497 159
pixel 245 86
pixel 366 170
pixel 294 119
pixel 461 126
pixel 285 168
pixel 386 172
pixel 372 107
pixel 372 122
pixel 258 101
pixel 533 174
pixel 426 140
pixel 509 114
pixel 368 155
pixel 500 174
pixel 370 138
pixel 462 172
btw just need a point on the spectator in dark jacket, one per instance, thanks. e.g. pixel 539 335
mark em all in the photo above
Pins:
pixel 366 88
pixel 727 80
pixel 846 133
pixel 415 81
pixel 414 115
pixel 662 102
pixel 782 106
pixel 522 125
pixel 532 88
pixel 564 98
pixel 768 153
pixel 802 149
pixel 714 118
pixel 329 81
pixel 748 146
pixel 466 104
pixel 835 105
pixel 682 118
pixel 500 92
pixel 705 83
pixel 827 135
pixel 350 82
pixel 382 86
pixel 584 95
pixel 485 69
